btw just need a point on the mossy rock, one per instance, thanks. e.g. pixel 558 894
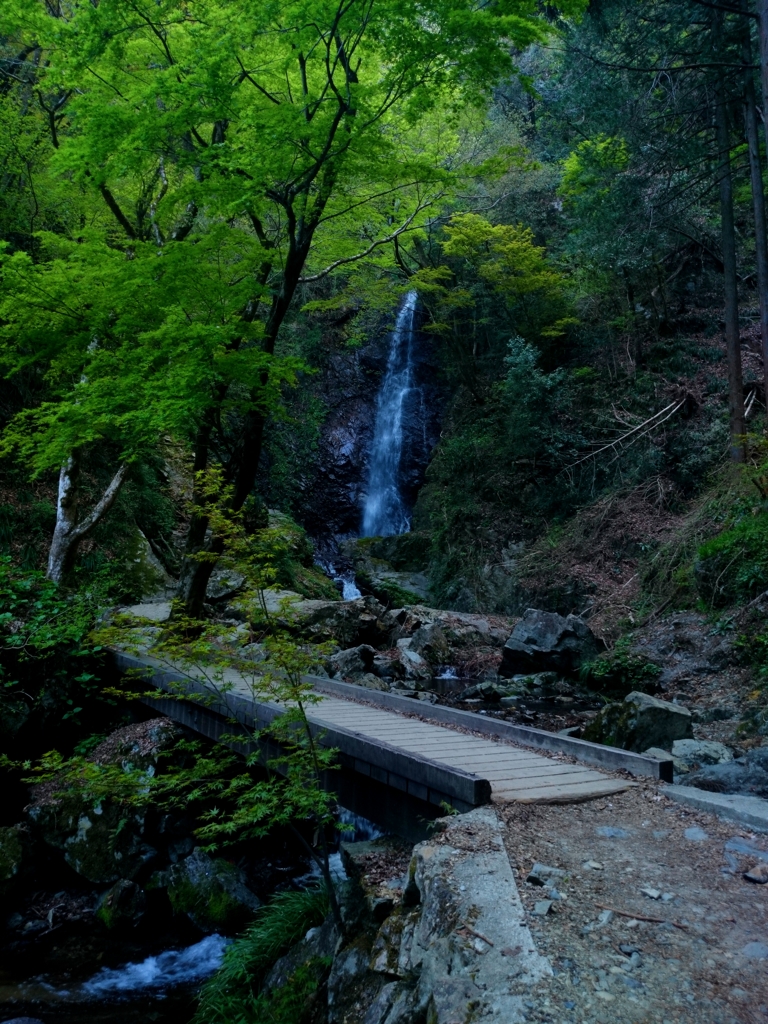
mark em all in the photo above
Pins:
pixel 102 839
pixel 122 905
pixel 212 893
pixel 640 722
pixel 296 1001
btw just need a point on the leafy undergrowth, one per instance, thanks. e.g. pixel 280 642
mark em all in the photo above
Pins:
pixel 621 670
pixel 232 996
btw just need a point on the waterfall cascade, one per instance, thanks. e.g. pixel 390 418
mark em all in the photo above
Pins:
pixel 384 512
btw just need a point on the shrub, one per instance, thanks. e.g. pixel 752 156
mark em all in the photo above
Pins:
pixel 621 670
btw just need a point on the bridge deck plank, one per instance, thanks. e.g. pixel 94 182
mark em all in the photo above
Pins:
pixel 515 774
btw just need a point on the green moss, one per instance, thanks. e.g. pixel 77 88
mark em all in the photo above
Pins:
pixel 621 670
pixel 210 904
pixel 292 1003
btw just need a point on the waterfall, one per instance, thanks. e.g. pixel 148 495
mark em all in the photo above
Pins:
pixel 384 512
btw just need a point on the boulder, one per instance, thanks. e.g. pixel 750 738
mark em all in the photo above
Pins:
pixel 490 691
pixel 640 721
pixel 747 775
pixel 371 682
pixel 431 642
pixel 224 583
pixel 212 893
pixel 103 839
pixel 387 667
pixel 348 623
pixel 547 642
pixel 679 766
pixel 701 752
pixel 352 663
pixel 415 667
pixel 122 905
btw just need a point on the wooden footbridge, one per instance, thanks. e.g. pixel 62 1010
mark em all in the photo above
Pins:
pixel 403 759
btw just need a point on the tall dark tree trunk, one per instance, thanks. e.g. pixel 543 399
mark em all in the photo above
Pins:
pixel 728 241
pixel 758 198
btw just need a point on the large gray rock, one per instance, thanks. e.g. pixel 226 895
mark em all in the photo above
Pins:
pixel 467 891
pixel 547 642
pixel 701 752
pixel 352 663
pixel 212 893
pixel 415 667
pixel 348 623
pixel 103 839
pixel 747 774
pixel 640 721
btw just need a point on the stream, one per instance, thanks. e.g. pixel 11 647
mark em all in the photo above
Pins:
pixel 78 973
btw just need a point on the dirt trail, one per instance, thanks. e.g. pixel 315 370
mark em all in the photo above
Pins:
pixel 713 970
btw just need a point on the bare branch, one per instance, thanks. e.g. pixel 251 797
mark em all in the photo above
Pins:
pixel 374 245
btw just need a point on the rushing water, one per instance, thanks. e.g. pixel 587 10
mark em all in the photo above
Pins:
pixel 166 970
pixel 385 513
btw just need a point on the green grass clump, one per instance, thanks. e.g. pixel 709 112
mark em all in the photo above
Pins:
pixel 232 994
pixel 733 567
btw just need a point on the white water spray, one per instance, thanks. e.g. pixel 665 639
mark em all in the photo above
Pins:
pixel 384 512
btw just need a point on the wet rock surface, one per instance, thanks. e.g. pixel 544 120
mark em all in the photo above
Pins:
pixel 333 494
pixel 123 905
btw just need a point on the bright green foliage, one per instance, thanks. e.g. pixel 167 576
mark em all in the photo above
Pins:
pixel 488 263
pixel 130 344
pixel 47 660
pixel 592 166
pixel 232 995
pixel 214 159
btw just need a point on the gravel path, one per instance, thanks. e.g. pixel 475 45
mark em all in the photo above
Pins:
pixel 706 964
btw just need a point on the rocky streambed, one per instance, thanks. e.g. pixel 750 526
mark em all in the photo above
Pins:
pixel 112 912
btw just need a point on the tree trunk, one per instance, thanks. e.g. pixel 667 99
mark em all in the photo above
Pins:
pixel 69 532
pixel 762 11
pixel 758 200
pixel 728 239
pixel 244 463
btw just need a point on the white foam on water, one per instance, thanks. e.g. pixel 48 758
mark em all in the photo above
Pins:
pixel 364 830
pixel 447 672
pixel 350 591
pixel 166 970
